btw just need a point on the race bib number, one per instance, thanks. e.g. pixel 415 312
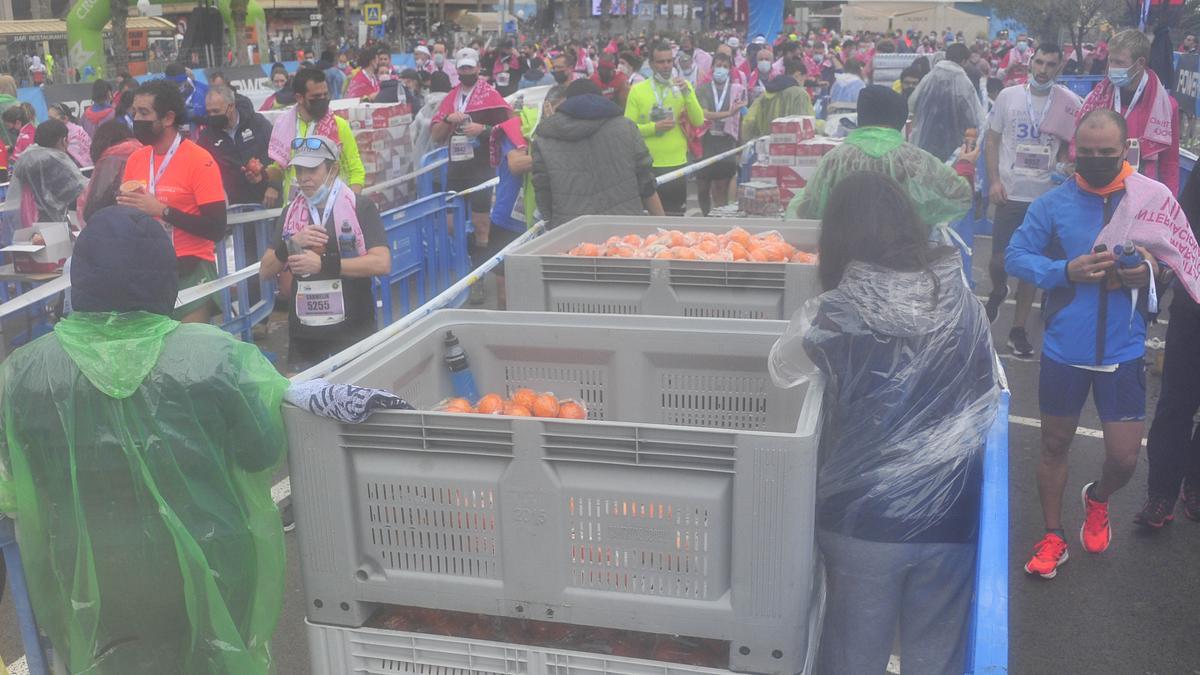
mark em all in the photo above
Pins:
pixel 518 209
pixel 461 149
pixel 502 78
pixel 1032 160
pixel 320 303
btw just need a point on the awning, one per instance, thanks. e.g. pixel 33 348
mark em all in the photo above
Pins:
pixel 56 29
pixel 887 15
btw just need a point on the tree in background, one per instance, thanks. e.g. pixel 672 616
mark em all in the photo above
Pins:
pixel 329 25
pixel 238 10
pixel 120 38
pixel 1048 18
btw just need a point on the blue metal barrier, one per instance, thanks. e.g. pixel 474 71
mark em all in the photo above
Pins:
pixel 1082 85
pixel 428 183
pixel 428 244
pixel 987 651
pixel 35 659
pixel 255 297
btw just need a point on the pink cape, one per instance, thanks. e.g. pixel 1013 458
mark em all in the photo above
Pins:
pixel 280 146
pixel 362 84
pixel 1150 121
pixel 1060 118
pixel 345 210
pixel 1149 216
pixel 483 97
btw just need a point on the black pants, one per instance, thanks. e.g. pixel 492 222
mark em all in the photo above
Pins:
pixel 1174 446
pixel 1008 218
pixel 673 195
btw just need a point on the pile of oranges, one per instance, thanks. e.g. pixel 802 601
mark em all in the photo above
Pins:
pixel 524 403
pixel 733 246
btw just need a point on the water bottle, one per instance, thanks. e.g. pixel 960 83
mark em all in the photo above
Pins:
pixel 460 369
pixel 1127 255
pixel 347 242
pixel 519 104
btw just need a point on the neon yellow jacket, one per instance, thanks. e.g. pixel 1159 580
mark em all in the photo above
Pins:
pixel 669 149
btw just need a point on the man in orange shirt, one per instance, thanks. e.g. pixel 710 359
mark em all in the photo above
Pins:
pixel 179 183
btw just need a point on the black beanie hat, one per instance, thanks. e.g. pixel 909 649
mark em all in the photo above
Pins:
pixel 124 261
pixel 879 106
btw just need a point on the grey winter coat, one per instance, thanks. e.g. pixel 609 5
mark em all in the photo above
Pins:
pixel 589 159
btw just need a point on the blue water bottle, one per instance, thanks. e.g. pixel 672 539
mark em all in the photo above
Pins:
pixel 460 370
pixel 1127 255
pixel 347 242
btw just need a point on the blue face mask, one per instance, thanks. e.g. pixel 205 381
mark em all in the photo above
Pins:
pixel 322 192
pixel 646 72
pixel 720 75
pixel 764 66
pixel 1120 77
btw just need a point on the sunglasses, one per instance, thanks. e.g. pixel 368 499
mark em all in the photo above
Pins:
pixel 310 142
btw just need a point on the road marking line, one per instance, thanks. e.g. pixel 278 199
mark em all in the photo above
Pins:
pixel 893 665
pixel 1037 424
pixel 18 667
pixel 282 490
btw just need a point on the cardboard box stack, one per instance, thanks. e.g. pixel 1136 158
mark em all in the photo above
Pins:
pixel 788 157
pixel 384 144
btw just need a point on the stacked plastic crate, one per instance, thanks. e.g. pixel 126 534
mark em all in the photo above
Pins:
pixel 786 160
pixel 385 147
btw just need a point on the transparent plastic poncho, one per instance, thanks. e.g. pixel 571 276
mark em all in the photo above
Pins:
pixel 51 178
pixel 137 458
pixel 944 105
pixel 911 390
pixel 938 193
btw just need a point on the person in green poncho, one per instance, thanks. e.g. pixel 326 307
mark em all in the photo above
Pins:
pixel 784 97
pixel 137 457
pixel 940 193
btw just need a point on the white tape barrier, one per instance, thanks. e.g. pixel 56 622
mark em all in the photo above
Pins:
pixel 371 189
pixel 34 296
pixel 441 300
pixel 708 161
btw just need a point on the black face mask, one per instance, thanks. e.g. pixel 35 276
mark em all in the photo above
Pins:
pixel 606 74
pixel 1099 171
pixel 218 122
pixel 560 77
pixel 317 108
pixel 468 81
pixel 144 131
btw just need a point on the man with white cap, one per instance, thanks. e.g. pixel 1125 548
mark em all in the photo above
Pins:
pixel 333 242
pixel 465 121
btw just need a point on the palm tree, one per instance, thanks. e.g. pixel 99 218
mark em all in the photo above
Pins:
pixel 329 34
pixel 605 17
pixel 120 39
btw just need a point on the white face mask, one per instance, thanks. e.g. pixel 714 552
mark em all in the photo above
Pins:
pixel 439 59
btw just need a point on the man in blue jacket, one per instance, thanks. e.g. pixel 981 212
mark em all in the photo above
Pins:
pixel 1096 315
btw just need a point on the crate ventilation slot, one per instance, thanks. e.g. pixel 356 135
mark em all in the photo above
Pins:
pixel 706 400
pixel 643 547
pixel 709 311
pixel 429 435
pixel 433 528
pixel 729 275
pixel 616 270
pixel 710 452
pixel 567 382
pixel 585 307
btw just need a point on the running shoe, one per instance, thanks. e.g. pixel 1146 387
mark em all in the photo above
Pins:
pixel 1157 512
pixel 1048 555
pixel 1189 494
pixel 1019 343
pixel 1095 533
pixel 993 303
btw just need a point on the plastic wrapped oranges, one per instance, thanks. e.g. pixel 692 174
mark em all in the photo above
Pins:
pixel 732 246
pixel 524 403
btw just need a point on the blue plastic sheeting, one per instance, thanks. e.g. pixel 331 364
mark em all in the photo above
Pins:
pixel 35 660
pixel 988 649
pixel 766 17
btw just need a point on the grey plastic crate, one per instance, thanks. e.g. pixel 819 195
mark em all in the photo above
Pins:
pixel 338 650
pixel 541 277
pixel 683 505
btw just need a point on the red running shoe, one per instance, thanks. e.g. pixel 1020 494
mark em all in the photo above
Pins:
pixel 1095 534
pixel 1049 553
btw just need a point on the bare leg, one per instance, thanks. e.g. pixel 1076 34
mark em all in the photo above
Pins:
pixel 1057 433
pixel 483 227
pixel 1122 445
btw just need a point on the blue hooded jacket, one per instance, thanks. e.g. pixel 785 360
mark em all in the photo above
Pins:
pixel 1086 324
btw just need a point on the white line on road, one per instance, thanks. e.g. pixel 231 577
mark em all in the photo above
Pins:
pixel 282 490
pixel 18 667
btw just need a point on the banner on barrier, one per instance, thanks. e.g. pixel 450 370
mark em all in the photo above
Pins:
pixel 77 96
pixel 246 77
pixel 1187 85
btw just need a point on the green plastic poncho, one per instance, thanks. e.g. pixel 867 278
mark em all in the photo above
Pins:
pixel 137 456
pixel 938 192
pixel 772 105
